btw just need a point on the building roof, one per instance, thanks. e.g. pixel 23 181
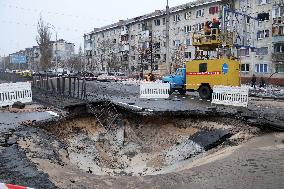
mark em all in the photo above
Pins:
pixel 154 14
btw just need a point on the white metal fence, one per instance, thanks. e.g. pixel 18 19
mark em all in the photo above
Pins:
pixel 14 92
pixel 154 90
pixel 232 96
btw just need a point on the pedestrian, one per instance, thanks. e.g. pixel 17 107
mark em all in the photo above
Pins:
pixel 253 81
pixel 262 83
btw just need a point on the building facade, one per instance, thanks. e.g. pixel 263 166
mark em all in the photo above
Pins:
pixel 131 44
pixel 265 59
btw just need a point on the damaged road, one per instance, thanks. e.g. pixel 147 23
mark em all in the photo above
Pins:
pixel 120 141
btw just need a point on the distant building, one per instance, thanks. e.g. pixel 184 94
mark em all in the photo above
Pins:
pixel 65 50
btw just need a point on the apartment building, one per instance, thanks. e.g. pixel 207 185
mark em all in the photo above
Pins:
pixel 264 58
pixel 126 45
pixel 63 50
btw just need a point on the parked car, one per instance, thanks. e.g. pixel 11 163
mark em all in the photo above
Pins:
pixel 88 76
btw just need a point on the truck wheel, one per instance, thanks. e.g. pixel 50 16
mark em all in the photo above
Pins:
pixel 205 92
pixel 182 91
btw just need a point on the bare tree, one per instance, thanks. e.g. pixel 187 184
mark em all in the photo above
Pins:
pixel 44 43
pixel 109 59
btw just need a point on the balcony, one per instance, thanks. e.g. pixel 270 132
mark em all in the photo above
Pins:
pixel 278 57
pixel 278 39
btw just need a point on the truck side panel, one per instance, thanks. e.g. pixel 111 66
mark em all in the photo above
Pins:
pixel 213 72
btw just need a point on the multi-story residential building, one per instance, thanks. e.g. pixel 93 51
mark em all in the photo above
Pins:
pixel 126 45
pixel 63 50
pixel 264 58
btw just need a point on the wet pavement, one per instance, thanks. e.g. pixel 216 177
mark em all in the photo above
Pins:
pixel 15 167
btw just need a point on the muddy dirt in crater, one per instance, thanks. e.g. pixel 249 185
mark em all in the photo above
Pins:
pixel 143 146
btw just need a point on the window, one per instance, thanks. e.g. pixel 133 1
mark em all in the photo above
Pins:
pixel 139 26
pixel 176 43
pixel 145 67
pixel 132 37
pixel 176 18
pixel 213 10
pixel 263 16
pixel 279 68
pixel 187 55
pixel 261 68
pixel 200 13
pixel 164 21
pixel 262 34
pixel 187 29
pixel 203 67
pixel 279 48
pixel 245 68
pixel 133 57
pixel 244 52
pixel 278 30
pixel 156 67
pixel 263 2
pixel 187 42
pixel 157 22
pixel 157 56
pixel 262 51
pixel 114 41
pixel 187 15
pixel 157 45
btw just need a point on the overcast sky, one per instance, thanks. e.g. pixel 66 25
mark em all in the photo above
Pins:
pixel 71 18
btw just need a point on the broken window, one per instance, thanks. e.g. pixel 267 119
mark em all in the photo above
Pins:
pixel 263 16
pixel 203 67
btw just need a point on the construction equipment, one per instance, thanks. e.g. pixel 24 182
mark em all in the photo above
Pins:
pixel 204 72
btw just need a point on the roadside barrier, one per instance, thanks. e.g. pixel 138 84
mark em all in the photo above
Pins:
pixel 154 90
pixel 232 96
pixel 15 92
pixel 10 186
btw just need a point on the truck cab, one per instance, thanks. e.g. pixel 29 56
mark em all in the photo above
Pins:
pixel 177 81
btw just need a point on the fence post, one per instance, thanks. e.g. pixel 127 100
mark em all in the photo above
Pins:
pixel 74 87
pixel 78 92
pixel 47 84
pixel 69 83
pixel 63 85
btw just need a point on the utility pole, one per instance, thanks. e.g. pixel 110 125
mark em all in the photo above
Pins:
pixel 168 64
pixel 151 51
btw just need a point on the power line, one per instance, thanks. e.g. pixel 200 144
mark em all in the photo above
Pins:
pixel 54 13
